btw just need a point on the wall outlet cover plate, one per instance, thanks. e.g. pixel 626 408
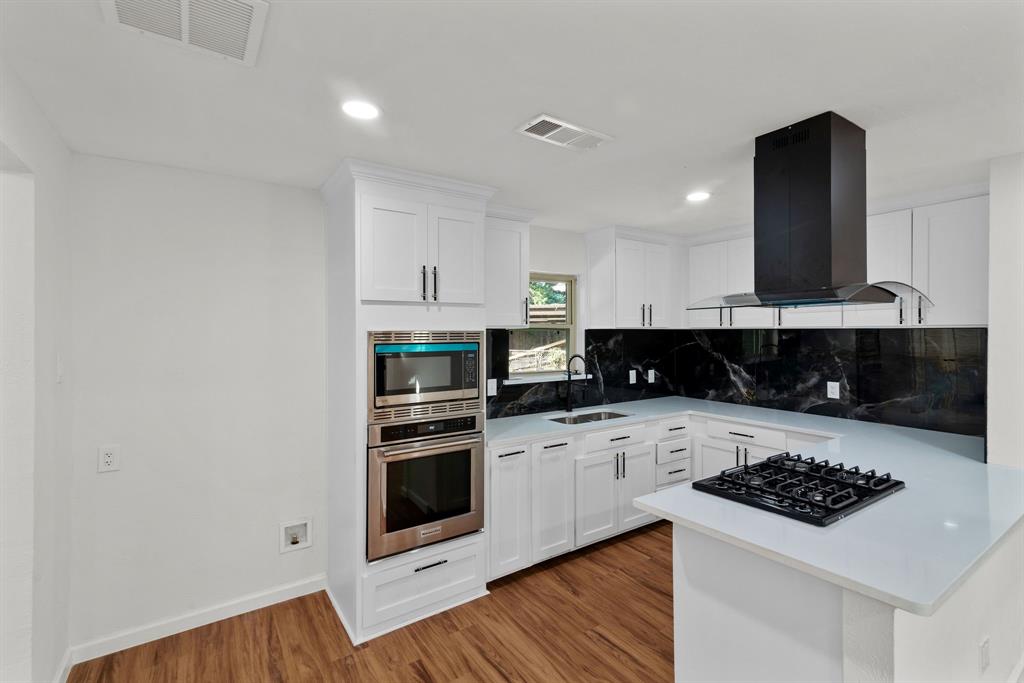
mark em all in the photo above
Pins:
pixel 833 389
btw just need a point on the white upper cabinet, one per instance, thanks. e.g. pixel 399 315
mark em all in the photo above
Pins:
pixel 739 279
pixel 393 246
pixel 508 272
pixel 950 264
pixel 721 268
pixel 641 284
pixel 455 243
pixel 632 282
pixel 708 272
pixel 890 257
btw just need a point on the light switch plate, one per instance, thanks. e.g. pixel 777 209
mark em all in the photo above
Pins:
pixel 650 376
pixel 632 376
pixel 492 387
pixel 833 389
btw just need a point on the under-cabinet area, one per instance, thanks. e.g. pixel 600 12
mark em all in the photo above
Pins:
pixel 549 495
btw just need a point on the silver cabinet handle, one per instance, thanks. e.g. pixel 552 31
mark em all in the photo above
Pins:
pixel 505 455
pixel 435 283
pixel 431 565
pixel 424 274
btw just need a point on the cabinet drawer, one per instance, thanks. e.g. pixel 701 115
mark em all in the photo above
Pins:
pixel 615 438
pixel 673 429
pixel 671 451
pixel 672 472
pixel 744 433
pixel 419 583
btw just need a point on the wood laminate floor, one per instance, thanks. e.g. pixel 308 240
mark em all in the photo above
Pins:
pixel 603 613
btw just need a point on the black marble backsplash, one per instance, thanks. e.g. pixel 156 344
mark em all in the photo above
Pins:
pixel 926 378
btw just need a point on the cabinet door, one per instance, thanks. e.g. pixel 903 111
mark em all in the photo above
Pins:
pixel 553 470
pixel 508 272
pixel 510 530
pixel 629 283
pixel 739 279
pixel 714 456
pixel 708 266
pixel 809 316
pixel 393 249
pixel 637 479
pixel 456 246
pixel 656 284
pixel 595 497
pixel 889 259
pixel 755 454
pixel 951 263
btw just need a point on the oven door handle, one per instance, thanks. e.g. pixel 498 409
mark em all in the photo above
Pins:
pixel 405 449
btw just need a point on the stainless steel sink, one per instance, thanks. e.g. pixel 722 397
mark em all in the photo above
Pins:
pixel 587 417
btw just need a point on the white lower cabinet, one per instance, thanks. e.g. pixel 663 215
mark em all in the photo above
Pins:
pixel 595 496
pixel 552 487
pixel 511 536
pixel 713 456
pixel 716 454
pixel 606 484
pixel 635 479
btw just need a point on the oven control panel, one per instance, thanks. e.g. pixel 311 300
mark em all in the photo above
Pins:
pixel 410 431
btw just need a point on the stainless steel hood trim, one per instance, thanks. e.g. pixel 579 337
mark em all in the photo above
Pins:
pixel 884 292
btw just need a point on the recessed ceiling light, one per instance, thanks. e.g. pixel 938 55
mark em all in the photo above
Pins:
pixel 358 109
pixel 697 196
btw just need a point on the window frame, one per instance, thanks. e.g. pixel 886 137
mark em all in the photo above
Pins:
pixel 569 326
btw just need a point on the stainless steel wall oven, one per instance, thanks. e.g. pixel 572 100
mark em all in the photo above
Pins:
pixel 425 457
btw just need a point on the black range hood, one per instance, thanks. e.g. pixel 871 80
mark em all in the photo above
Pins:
pixel 810 219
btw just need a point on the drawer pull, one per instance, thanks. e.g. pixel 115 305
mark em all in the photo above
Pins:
pixel 745 436
pixel 556 445
pixel 430 566
pixel 678 450
pixel 505 455
pixel 675 429
pixel 621 438
pixel 677 471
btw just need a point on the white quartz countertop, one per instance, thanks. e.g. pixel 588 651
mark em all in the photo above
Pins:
pixel 911 550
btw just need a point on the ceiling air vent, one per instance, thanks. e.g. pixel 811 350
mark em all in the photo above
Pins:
pixel 229 28
pixel 550 129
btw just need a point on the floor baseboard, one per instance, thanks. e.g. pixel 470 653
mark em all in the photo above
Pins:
pixel 167 627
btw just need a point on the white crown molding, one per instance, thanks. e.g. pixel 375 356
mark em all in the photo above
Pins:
pixel 946 194
pixel 510 213
pixel 379 173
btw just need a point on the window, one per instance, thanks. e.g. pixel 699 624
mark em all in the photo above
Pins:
pixel 548 341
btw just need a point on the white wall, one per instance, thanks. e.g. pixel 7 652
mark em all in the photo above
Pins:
pixel 25 131
pixel 198 310
pixel 1006 311
pixel 557 251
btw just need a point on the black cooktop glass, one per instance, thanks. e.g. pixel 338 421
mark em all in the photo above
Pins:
pixel 802 488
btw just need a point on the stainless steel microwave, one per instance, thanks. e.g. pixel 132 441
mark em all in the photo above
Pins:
pixel 411 369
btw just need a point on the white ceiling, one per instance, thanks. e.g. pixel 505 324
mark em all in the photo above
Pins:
pixel 683 87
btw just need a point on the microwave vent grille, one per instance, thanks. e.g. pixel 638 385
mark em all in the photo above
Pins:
pixel 425 337
pixel 427 410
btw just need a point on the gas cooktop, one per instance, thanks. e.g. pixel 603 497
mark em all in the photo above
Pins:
pixel 802 488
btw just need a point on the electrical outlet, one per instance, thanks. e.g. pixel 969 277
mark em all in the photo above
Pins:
pixel 632 376
pixel 833 389
pixel 650 376
pixel 492 387
pixel 984 655
pixel 108 458
pixel 297 534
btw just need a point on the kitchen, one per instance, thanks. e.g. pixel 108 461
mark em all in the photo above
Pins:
pixel 329 383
